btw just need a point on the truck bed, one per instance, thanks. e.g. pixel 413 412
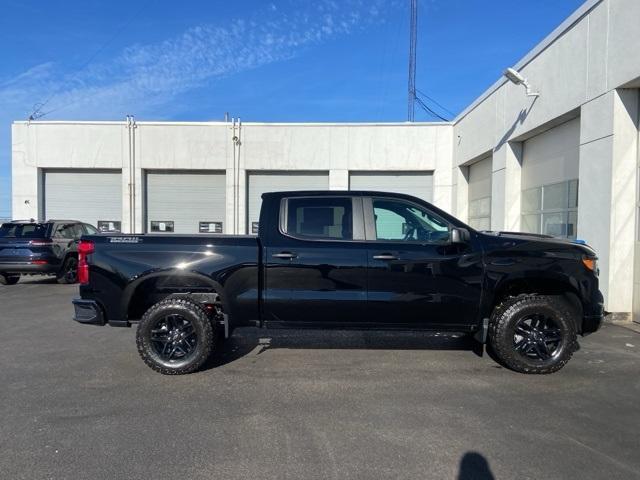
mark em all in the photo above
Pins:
pixel 131 267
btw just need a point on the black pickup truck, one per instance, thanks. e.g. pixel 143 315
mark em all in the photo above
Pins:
pixel 343 259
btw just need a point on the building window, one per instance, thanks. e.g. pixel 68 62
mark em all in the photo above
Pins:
pixel 480 213
pixel 551 209
pixel 165 226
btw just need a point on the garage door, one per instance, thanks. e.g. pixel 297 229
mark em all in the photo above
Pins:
pixel 185 202
pixel 91 196
pixel 550 181
pixel 263 182
pixel 480 194
pixel 417 184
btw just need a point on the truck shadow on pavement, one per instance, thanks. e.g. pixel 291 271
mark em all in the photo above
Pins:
pixel 255 341
pixel 474 466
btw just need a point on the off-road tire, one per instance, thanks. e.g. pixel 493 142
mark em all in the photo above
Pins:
pixel 502 326
pixel 203 326
pixel 69 272
pixel 9 279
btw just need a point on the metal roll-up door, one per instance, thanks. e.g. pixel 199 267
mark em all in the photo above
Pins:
pixel 90 196
pixel 550 164
pixel 480 194
pixel 185 202
pixel 417 184
pixel 264 182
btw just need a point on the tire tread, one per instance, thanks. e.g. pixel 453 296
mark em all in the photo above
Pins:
pixel 209 340
pixel 500 321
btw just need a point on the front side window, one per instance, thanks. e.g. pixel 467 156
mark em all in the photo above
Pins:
pixel 397 220
pixel 316 217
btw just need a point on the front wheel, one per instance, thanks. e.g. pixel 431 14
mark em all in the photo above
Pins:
pixel 9 279
pixel 175 336
pixel 533 333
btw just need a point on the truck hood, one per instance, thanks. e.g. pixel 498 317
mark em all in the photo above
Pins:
pixel 552 242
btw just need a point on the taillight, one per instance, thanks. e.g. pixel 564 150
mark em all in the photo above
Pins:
pixel 40 243
pixel 85 247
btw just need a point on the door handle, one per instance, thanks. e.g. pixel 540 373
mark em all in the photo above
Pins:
pixel 385 256
pixel 287 255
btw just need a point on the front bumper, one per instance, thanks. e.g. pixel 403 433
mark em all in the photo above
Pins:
pixel 87 312
pixel 592 323
pixel 593 313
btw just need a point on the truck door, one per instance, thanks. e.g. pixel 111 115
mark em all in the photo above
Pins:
pixel 316 263
pixel 416 276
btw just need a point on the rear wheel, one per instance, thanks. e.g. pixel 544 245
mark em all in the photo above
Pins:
pixel 69 271
pixel 9 279
pixel 175 336
pixel 533 334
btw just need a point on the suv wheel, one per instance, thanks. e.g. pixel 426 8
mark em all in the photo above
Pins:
pixel 69 271
pixel 175 336
pixel 533 334
pixel 9 279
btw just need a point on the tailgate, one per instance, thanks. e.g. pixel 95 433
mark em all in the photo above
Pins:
pixel 15 250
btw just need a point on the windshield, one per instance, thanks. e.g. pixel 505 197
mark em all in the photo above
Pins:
pixel 23 230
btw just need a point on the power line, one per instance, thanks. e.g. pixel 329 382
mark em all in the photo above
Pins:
pixel 413 42
pixel 37 108
pixel 427 109
pixel 434 101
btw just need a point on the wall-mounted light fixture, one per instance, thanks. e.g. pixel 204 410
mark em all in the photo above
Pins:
pixel 516 77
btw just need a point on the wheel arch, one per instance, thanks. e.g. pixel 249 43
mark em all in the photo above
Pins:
pixel 154 287
pixel 541 285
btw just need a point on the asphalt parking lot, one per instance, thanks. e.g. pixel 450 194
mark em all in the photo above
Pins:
pixel 77 402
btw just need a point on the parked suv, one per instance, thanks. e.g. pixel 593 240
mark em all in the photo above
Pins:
pixel 28 247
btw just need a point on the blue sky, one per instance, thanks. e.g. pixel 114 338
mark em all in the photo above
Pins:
pixel 280 60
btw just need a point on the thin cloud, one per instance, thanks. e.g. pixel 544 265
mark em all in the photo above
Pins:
pixel 144 77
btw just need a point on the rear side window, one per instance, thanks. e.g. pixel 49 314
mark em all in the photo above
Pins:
pixel 23 230
pixel 317 217
pixel 66 231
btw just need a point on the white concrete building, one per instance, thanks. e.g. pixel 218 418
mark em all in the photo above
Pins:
pixel 564 163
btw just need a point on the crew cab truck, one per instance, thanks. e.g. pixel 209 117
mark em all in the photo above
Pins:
pixel 343 259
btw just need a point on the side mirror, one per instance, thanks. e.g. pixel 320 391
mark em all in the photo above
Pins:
pixel 459 235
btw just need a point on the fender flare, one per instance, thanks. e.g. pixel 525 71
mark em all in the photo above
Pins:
pixel 133 285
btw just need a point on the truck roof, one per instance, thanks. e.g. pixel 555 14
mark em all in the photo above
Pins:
pixel 271 196
pixel 335 193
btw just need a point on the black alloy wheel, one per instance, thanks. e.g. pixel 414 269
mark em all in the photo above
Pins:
pixel 537 337
pixel 176 336
pixel 173 338
pixel 533 333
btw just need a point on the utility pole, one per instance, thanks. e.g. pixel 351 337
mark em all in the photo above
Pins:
pixel 413 37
